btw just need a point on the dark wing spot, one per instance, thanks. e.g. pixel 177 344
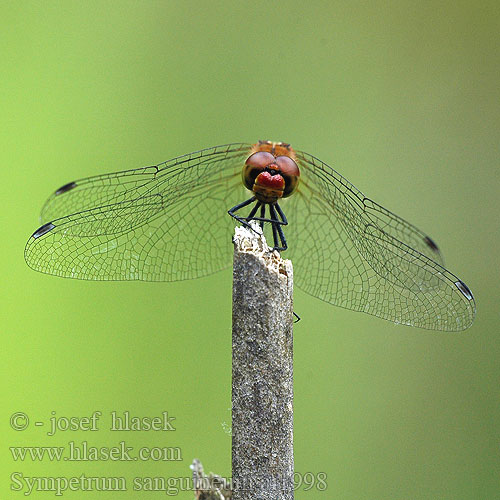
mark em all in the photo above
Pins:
pixel 431 244
pixel 464 289
pixel 67 187
pixel 43 230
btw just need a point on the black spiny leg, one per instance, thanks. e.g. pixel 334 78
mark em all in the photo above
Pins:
pixel 275 225
pixel 254 210
pixel 284 222
pixel 251 216
pixel 262 216
pixel 277 229
pixel 277 219
pixel 282 215
pixel 243 220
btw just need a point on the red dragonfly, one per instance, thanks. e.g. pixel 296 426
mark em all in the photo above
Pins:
pixel 169 222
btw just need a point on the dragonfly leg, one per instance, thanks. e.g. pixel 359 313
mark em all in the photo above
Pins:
pixel 277 229
pixel 283 222
pixel 231 211
pixel 251 216
pixel 254 210
pixel 277 219
pixel 281 214
pixel 262 216
pixel 243 220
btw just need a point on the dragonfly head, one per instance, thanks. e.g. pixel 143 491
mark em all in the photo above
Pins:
pixel 271 171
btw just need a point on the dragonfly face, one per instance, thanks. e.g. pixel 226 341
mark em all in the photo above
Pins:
pixel 169 222
pixel 271 172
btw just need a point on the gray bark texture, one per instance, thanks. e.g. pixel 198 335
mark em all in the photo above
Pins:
pixel 211 486
pixel 262 371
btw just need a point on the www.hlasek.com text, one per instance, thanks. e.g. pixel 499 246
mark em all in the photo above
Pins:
pixel 83 452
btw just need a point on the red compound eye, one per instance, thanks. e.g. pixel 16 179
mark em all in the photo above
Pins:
pixel 254 165
pixel 290 172
pixel 261 160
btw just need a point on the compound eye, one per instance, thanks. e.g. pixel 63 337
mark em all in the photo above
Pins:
pixel 261 160
pixel 290 172
pixel 287 166
pixel 254 165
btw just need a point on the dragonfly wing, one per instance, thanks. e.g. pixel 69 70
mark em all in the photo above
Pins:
pixel 402 230
pixel 345 255
pixel 91 192
pixel 174 226
pixel 100 190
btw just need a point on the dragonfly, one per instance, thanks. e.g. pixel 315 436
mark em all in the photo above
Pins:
pixel 170 222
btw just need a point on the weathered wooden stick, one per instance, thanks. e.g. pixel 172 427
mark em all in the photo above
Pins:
pixel 211 487
pixel 262 388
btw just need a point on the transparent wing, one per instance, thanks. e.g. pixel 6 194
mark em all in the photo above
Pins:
pixel 162 223
pixel 95 191
pixel 169 222
pixel 351 252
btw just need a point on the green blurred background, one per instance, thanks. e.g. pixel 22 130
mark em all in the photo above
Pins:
pixel 401 97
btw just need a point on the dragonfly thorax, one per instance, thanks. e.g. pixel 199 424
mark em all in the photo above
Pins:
pixel 271 172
